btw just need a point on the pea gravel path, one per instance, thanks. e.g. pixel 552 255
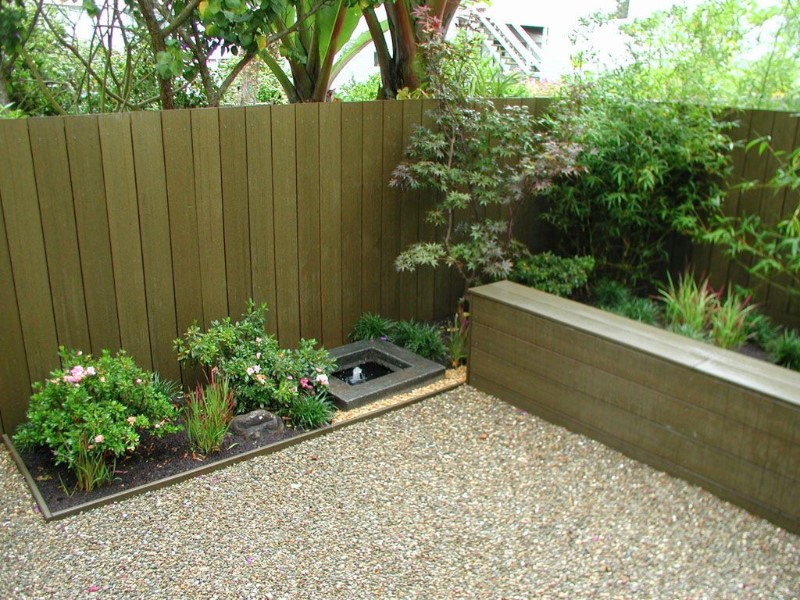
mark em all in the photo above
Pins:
pixel 460 496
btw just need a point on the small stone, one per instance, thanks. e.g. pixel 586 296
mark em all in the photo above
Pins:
pixel 254 424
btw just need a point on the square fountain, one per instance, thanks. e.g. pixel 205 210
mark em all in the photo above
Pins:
pixel 373 369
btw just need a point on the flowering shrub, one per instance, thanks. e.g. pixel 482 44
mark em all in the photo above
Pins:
pixel 262 374
pixel 92 410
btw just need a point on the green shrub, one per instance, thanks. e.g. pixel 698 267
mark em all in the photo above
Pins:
pixel 262 374
pixel 729 327
pixel 91 411
pixel 359 91
pixel 423 339
pixel 372 327
pixel 310 412
pixel 208 412
pixel 784 350
pixel 648 170
pixel 615 297
pixel 420 338
pixel 165 387
pixel 697 311
pixel 762 329
pixel 640 309
pixel 688 306
pixel 553 274
pixel 610 294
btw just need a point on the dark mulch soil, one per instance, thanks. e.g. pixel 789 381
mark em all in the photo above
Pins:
pixel 154 459
pixel 754 351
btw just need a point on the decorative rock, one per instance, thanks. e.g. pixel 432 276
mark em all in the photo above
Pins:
pixel 254 424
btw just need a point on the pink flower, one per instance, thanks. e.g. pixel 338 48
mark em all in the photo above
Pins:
pixel 138 381
pixel 305 385
pixel 250 370
pixel 289 377
pixel 91 371
pixel 79 353
pixel 258 354
pixel 258 340
pixel 131 420
pixel 319 370
pixel 76 373
pixel 99 439
pixel 322 379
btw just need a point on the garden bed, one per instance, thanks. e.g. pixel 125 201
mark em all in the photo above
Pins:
pixel 169 460
pixel 724 421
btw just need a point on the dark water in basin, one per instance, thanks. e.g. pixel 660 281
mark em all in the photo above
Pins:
pixel 369 371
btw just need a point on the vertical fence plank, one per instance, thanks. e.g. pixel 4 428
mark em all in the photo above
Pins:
pixel 719 269
pixel 27 251
pixel 426 276
pixel 750 201
pixel 441 273
pixel 91 217
pixel 391 207
pixel 210 229
pixel 151 188
pixel 284 173
pixel 790 312
pixel 352 162
pixel 176 128
pixel 371 217
pixel 14 380
pixel 51 169
pixel 124 229
pixel 776 206
pixel 236 211
pixel 262 222
pixel 409 203
pixel 308 223
pixel 330 175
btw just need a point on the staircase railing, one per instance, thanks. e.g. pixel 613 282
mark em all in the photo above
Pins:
pixel 521 55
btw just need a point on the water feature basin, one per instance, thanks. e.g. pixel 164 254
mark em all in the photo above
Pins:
pixel 373 369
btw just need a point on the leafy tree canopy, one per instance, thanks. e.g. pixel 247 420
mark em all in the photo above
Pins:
pixel 724 52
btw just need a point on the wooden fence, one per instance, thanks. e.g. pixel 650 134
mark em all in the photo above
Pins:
pixel 783 128
pixel 121 230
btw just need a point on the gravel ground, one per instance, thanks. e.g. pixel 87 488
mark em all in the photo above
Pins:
pixel 459 496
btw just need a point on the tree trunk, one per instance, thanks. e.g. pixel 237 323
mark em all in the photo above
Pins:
pixel 158 44
pixel 5 99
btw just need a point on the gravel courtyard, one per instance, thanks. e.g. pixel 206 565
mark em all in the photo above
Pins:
pixel 459 496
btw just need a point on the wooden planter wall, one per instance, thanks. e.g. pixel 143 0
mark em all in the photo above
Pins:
pixel 723 421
